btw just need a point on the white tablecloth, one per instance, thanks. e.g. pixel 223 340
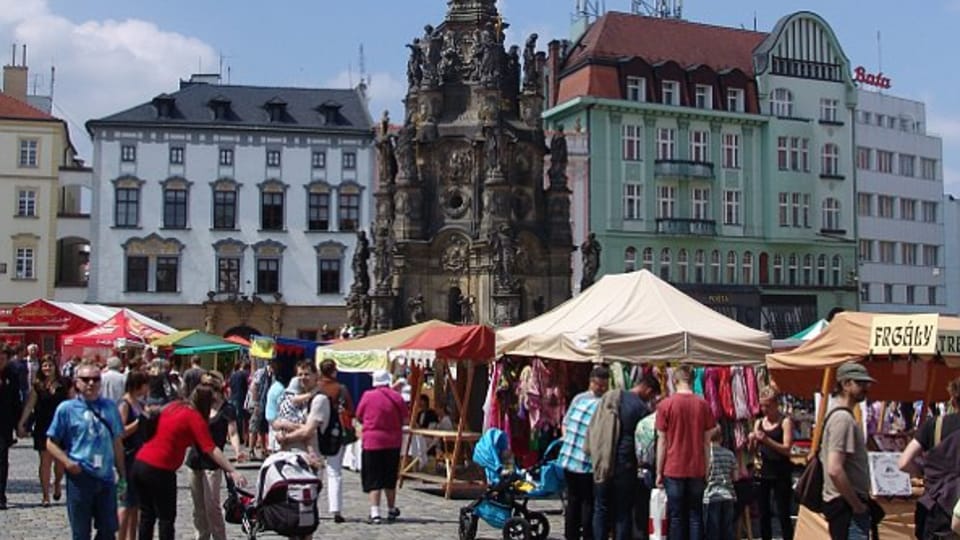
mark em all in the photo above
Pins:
pixel 418 450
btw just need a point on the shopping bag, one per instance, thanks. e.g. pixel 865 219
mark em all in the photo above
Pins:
pixel 657 524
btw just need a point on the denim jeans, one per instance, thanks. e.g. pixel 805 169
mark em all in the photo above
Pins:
pixel 685 507
pixel 718 520
pixel 859 527
pixel 613 505
pixel 578 519
pixel 91 500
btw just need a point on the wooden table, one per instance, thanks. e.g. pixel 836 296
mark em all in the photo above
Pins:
pixel 450 458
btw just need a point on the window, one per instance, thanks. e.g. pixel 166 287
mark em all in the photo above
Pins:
pixel 929 211
pixel 864 292
pixel 784 209
pixel 682 266
pixel 273 158
pixel 175 208
pixel 735 99
pixel 648 259
pixel 666 143
pixel 806 210
pixel 887 293
pixel 828 109
pixel 866 250
pixel 349 213
pixel 25 263
pixel 167 270
pixel 865 204
pixel 700 146
pixel 831 214
pixel 630 259
pixel 318 212
pixel 228 274
pixel 137 270
pixel 271 211
pixel 636 89
pixel 731 267
pixel 836 270
pixel 632 201
pixel 885 206
pixel 225 210
pixel 747 268
pixel 704 96
pixel 880 119
pixel 887 251
pixel 268 276
pixel 792 268
pixel 865 117
pixel 666 201
pixel 931 255
pixel 318 160
pixel 349 161
pixel 781 102
pixel 911 294
pixel 808 269
pixel 783 160
pixel 128 153
pixel 26 203
pixel 932 296
pixel 822 270
pixel 329 276
pixel 928 168
pixel 671 93
pixel 908 254
pixel 700 202
pixel 830 160
pixel 665 264
pixel 863 158
pixel 632 135
pixel 907 163
pixel 795 209
pixel 699 265
pixel 176 155
pixel 884 161
pixel 127 209
pixel 793 154
pixel 28 152
pixel 715 266
pixel 908 209
pixel 226 157
pixel 731 207
pixel 731 150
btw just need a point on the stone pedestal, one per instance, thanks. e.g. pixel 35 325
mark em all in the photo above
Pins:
pixel 408 205
pixel 506 309
pixel 384 307
pixel 496 202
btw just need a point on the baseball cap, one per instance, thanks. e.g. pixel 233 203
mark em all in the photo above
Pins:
pixel 381 377
pixel 853 371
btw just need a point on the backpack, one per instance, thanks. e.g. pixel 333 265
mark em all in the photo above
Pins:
pixel 809 488
pixel 330 438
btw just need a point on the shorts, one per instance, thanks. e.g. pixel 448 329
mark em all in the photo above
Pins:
pixel 130 498
pixel 379 469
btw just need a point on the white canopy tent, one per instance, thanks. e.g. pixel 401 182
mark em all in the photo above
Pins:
pixel 635 318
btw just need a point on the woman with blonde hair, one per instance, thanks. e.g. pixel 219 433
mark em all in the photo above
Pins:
pixel 772 436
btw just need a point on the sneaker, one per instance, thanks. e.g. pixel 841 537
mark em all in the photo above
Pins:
pixel 393 514
pixel 337 518
pixel 373 520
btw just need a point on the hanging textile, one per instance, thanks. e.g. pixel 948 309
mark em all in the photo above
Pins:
pixel 710 391
pixel 698 380
pixel 753 397
pixel 740 404
pixel 616 377
pixel 725 390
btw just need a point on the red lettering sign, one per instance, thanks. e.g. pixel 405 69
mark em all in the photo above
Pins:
pixel 861 76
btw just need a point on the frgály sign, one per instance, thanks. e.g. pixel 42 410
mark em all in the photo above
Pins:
pixel 912 334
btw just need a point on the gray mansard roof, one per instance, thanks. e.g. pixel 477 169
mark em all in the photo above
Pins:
pixel 248 107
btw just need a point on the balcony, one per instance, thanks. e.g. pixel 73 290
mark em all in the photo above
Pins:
pixel 692 227
pixel 681 168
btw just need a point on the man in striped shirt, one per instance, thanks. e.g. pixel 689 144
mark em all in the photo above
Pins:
pixel 577 468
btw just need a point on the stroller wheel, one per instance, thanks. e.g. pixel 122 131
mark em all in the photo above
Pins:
pixel 516 528
pixel 468 524
pixel 539 525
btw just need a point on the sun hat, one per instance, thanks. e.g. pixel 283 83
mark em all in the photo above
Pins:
pixel 381 377
pixel 853 371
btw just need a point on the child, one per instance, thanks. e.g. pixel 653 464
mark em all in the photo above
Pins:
pixel 719 496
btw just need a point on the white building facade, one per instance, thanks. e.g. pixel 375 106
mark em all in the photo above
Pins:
pixel 900 209
pixel 232 208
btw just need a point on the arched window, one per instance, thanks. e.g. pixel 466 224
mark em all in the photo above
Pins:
pixel 781 102
pixel 747 268
pixel 792 263
pixel 732 267
pixel 831 214
pixel 778 269
pixel 699 262
pixel 836 271
pixel 830 160
pixel 665 264
pixel 648 259
pixel 682 266
pixel 630 259
pixel 822 270
pixel 808 269
pixel 715 266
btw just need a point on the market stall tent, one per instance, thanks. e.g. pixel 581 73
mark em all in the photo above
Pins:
pixel 634 318
pixel 125 326
pixel 195 342
pixel 370 353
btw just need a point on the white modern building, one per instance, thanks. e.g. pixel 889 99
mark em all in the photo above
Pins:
pixel 900 207
pixel 232 208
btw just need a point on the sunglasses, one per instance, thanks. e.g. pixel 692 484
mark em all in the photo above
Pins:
pixel 89 380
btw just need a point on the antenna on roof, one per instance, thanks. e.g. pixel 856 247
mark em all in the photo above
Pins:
pixel 363 66
pixel 588 10
pixel 664 9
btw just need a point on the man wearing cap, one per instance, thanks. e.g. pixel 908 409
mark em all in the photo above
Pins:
pixel 113 380
pixel 846 479
pixel 382 413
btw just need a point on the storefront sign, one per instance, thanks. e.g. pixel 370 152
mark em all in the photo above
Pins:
pixel 904 334
pixel 871 79
pixel 948 343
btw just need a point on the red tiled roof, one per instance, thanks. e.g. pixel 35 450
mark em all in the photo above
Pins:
pixel 619 35
pixel 15 109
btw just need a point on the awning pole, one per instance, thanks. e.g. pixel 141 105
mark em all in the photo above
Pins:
pixel 822 413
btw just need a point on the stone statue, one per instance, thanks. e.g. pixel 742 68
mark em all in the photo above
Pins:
pixel 504 252
pixel 558 157
pixel 387 160
pixel 491 151
pixel 467 313
pixel 414 64
pixel 383 251
pixel 366 314
pixel 385 124
pixel 513 67
pixel 490 64
pixel 431 43
pixel 530 72
pixel 405 152
pixel 449 57
pixel 590 253
pixel 361 275
pixel 418 311
pixel 354 309
pixel 476 55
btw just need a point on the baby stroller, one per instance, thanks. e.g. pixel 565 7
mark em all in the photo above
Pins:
pixel 285 501
pixel 504 503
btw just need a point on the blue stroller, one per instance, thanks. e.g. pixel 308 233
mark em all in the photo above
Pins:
pixel 504 503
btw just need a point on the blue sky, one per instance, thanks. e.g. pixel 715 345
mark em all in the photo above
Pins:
pixel 113 54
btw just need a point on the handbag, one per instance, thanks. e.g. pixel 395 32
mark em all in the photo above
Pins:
pixel 809 488
pixel 233 506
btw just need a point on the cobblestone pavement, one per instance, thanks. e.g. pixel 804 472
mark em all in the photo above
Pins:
pixel 424 515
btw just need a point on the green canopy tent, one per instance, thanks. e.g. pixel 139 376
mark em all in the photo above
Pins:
pixel 800 337
pixel 209 347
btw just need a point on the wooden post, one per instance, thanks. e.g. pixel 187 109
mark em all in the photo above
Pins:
pixel 452 468
pixel 822 413
pixel 416 382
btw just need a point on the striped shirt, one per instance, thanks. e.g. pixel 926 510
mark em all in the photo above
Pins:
pixel 573 457
pixel 720 476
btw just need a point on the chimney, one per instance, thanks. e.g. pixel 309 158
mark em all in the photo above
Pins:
pixel 553 72
pixel 15 77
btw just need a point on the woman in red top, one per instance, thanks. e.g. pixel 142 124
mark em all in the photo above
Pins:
pixel 181 424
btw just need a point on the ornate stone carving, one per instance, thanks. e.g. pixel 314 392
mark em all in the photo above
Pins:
pixel 468 313
pixel 386 160
pixel 418 311
pixel 504 254
pixel 531 72
pixel 361 274
pixel 491 151
pixel 450 57
pixel 276 319
pixel 414 64
pixel 558 158
pixel 590 255
pixel 383 251
pixel 431 43
pixel 455 202
pixel 406 153
pixel 455 257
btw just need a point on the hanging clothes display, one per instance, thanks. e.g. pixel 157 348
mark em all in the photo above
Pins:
pixel 740 403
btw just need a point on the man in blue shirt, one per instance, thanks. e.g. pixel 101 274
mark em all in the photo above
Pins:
pixel 85 437
pixel 271 410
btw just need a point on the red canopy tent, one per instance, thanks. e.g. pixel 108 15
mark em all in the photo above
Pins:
pixel 125 326
pixel 45 322
pixel 444 345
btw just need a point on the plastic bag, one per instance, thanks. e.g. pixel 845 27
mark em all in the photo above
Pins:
pixel 657 524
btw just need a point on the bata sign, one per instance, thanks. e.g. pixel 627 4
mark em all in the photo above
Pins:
pixel 879 80
pixel 917 334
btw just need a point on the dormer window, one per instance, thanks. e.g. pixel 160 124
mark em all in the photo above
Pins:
pixel 330 113
pixel 276 109
pixel 220 106
pixel 164 104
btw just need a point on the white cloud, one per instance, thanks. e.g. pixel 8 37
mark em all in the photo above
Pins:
pixel 102 67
